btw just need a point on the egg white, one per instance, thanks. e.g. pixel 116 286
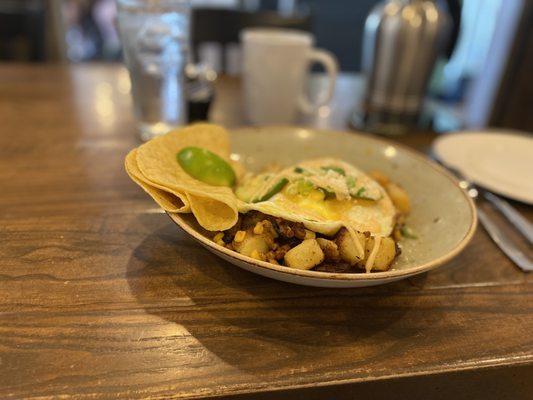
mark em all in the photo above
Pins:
pixel 328 216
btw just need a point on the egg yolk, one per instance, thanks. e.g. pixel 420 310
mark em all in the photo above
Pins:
pixel 315 202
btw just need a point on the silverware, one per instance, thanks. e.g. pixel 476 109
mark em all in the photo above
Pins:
pixel 494 231
pixel 523 225
pixel 503 242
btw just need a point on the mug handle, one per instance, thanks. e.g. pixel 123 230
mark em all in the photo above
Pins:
pixel 330 65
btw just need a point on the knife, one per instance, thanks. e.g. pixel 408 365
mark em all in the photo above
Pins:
pixel 523 225
pixel 503 242
pixel 495 232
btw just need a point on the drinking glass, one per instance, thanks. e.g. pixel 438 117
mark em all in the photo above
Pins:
pixel 155 42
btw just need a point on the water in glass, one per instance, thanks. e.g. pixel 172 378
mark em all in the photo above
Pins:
pixel 155 41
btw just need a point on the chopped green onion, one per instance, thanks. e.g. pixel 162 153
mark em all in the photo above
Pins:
pixel 273 190
pixel 360 194
pixel 328 194
pixel 338 170
pixel 407 233
pixel 350 182
pixel 304 187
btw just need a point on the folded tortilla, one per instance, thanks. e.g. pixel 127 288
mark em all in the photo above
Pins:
pixel 155 168
pixel 168 200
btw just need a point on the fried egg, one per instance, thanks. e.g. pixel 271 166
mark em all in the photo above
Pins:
pixel 324 194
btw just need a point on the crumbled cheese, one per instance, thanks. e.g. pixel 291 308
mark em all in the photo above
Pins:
pixel 332 181
pixel 356 241
pixel 372 256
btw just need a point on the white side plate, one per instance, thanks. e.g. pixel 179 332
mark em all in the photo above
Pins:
pixel 497 160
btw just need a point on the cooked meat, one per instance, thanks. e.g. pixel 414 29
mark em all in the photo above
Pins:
pixel 230 233
pixel 268 228
pixel 340 267
pixel 330 249
pixel 278 253
pixel 299 230
pixel 284 229
pixel 289 229
pixel 279 241
pixel 251 218
pixel 292 242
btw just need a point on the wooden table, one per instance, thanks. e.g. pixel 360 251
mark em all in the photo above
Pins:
pixel 102 297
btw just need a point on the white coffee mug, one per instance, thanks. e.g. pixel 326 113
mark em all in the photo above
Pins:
pixel 275 66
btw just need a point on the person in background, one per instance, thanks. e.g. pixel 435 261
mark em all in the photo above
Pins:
pixel 90 30
pixel 104 14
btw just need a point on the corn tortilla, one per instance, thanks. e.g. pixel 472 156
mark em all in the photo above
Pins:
pixel 169 201
pixel 215 207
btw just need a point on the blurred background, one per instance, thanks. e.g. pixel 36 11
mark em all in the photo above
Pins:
pixel 485 82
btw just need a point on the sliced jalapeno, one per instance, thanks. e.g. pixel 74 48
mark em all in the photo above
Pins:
pixel 276 188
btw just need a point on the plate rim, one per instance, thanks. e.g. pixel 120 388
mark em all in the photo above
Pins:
pixel 488 132
pixel 333 276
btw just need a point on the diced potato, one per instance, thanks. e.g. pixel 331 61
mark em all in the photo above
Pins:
pixel 385 255
pixel 251 242
pixel 329 248
pixel 257 255
pixel 379 177
pixel 347 248
pixel 309 234
pixel 399 197
pixel 304 256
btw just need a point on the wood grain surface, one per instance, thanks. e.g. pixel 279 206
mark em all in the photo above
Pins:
pixel 101 296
